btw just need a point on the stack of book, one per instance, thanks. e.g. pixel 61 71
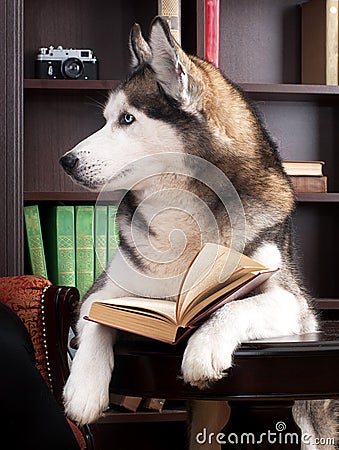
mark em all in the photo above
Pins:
pixel 306 176
pixel 71 245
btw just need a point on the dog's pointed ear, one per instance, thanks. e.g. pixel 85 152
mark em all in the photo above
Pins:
pixel 140 50
pixel 169 61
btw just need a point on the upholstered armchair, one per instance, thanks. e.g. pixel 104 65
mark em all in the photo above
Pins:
pixel 47 312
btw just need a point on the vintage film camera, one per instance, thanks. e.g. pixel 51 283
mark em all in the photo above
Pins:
pixel 69 63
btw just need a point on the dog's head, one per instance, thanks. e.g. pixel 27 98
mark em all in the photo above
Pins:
pixel 173 102
pixel 145 115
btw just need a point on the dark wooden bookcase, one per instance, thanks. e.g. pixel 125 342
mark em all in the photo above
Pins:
pixel 260 48
pixel 260 44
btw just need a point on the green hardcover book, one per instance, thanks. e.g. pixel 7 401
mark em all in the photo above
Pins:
pixel 84 247
pixel 60 245
pixel 34 241
pixel 100 239
pixel 112 232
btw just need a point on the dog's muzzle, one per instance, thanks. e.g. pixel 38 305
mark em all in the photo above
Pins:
pixel 69 162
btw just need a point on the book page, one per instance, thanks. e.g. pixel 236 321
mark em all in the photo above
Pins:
pixel 141 305
pixel 214 266
pixel 209 297
pixel 134 320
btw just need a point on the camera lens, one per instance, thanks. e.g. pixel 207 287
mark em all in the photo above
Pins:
pixel 72 68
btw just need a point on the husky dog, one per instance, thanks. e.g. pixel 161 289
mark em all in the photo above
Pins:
pixel 175 104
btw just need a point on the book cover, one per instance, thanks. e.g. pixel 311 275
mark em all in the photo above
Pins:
pixel 125 401
pixel 153 404
pixel 60 245
pixel 100 239
pixel 112 232
pixel 320 42
pixel 216 276
pixel 309 184
pixel 35 242
pixel 212 31
pixel 84 247
pixel 170 10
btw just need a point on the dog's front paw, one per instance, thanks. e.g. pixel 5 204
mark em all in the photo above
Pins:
pixel 85 399
pixel 86 393
pixel 207 356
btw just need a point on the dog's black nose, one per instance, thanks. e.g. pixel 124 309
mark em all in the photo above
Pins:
pixel 69 161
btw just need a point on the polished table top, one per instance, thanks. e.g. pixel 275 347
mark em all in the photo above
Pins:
pixel 285 368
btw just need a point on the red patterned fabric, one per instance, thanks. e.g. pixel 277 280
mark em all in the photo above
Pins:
pixel 23 295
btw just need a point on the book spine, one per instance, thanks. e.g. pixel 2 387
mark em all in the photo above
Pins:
pixel 332 42
pixel 112 232
pixel 320 42
pixel 170 10
pixel 84 247
pixel 35 241
pixel 212 31
pixel 58 229
pixel 65 245
pixel 100 239
pixel 309 184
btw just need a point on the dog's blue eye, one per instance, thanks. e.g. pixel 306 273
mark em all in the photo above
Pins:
pixel 126 119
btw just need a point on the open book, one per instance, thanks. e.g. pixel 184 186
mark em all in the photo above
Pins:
pixel 216 276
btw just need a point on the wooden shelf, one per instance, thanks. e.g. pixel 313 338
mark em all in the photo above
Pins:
pixel 86 196
pixel 327 303
pixel 256 90
pixel 289 92
pixel 33 83
pixel 326 197
pixel 60 196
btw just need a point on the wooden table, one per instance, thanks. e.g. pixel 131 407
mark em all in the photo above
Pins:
pixel 267 377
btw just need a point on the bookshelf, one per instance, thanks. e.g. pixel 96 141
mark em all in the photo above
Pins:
pixel 260 49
